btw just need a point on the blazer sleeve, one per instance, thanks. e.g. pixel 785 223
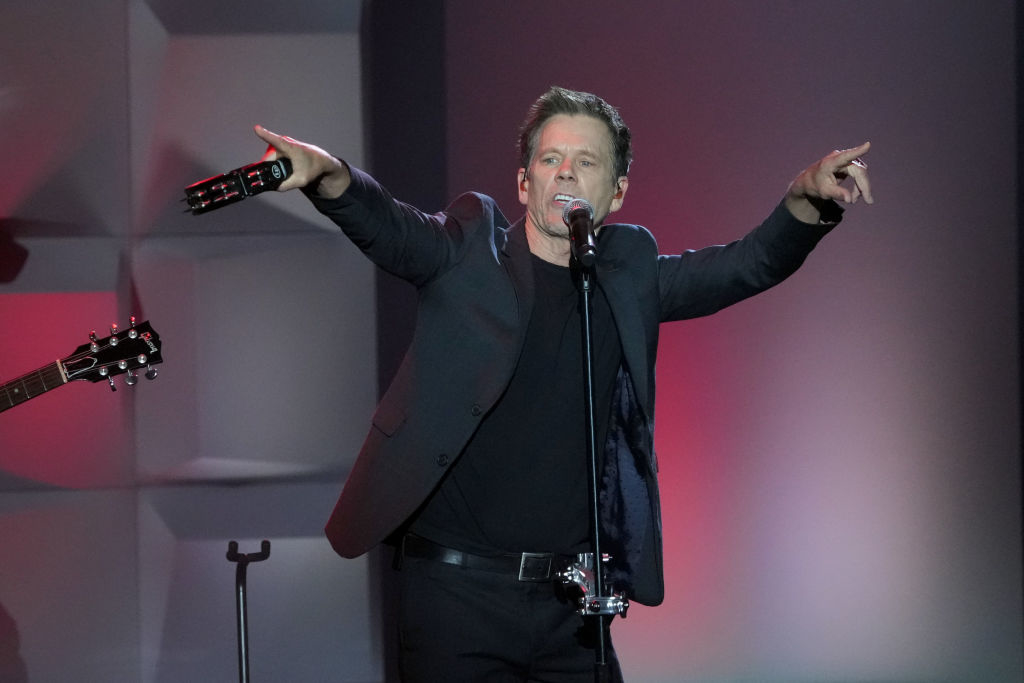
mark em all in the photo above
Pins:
pixel 406 242
pixel 704 281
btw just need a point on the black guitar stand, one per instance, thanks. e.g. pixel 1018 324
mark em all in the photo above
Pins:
pixel 243 625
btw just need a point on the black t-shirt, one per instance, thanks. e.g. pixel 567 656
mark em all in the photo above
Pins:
pixel 521 483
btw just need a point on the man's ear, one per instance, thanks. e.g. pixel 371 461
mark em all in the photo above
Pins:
pixel 524 183
pixel 621 185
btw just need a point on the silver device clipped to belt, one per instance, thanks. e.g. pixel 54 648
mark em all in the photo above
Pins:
pixel 582 576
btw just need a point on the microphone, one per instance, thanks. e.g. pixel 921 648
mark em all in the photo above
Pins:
pixel 234 186
pixel 578 215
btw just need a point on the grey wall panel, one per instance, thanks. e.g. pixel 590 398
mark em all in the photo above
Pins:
pixel 270 356
pixel 267 318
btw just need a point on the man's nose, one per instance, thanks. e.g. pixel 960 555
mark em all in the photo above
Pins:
pixel 565 171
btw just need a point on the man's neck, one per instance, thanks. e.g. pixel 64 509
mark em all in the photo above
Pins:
pixel 555 250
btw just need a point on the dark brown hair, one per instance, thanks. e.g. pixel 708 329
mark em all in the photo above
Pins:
pixel 562 101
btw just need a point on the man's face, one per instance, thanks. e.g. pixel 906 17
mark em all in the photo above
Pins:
pixel 573 160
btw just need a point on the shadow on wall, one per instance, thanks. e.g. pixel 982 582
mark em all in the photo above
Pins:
pixel 12 668
pixel 12 255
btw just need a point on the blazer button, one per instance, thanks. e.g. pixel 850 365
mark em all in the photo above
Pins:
pixel 442 460
pixel 476 410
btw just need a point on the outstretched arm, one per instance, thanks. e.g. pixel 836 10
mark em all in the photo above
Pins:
pixel 399 238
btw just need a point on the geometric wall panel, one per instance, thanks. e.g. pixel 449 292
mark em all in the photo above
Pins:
pixel 310 612
pixel 62 261
pixel 63 114
pixel 256 16
pixel 68 584
pixel 269 356
pixel 266 314
pixel 196 98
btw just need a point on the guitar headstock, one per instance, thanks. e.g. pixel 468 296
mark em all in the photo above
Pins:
pixel 122 352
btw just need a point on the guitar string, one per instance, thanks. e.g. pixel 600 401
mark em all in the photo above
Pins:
pixel 52 367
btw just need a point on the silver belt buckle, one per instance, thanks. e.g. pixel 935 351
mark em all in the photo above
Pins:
pixel 535 566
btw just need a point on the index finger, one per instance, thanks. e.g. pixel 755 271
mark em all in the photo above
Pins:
pixel 842 157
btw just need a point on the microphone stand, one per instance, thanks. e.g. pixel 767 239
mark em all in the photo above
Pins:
pixel 599 606
pixel 587 573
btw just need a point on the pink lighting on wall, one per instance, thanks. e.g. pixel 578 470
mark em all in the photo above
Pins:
pixel 76 436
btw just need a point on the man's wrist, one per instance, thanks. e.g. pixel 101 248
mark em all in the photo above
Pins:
pixel 332 182
pixel 813 210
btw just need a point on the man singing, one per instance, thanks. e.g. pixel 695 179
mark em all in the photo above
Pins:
pixel 475 464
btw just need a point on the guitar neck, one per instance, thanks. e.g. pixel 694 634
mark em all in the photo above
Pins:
pixel 31 385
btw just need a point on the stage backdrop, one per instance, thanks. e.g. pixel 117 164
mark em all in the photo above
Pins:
pixel 840 457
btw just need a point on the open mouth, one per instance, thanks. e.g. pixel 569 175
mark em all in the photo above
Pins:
pixel 563 198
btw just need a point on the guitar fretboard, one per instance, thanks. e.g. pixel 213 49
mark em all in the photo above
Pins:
pixel 31 385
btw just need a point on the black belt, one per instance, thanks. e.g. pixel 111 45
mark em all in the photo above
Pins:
pixel 523 566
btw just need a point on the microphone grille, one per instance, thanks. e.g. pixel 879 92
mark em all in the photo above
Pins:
pixel 577 205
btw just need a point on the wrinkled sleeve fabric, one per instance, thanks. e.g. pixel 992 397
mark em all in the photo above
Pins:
pixel 399 238
pixel 703 281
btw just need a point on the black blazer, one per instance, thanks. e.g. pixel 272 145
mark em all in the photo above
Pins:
pixel 475 292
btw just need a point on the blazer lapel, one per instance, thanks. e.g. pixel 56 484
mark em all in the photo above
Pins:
pixel 622 299
pixel 516 259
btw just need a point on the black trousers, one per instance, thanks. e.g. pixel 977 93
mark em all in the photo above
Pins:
pixel 461 625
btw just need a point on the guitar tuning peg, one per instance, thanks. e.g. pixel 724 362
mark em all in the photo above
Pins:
pixel 150 372
pixel 131 379
pixel 94 347
pixel 113 387
pixel 132 332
